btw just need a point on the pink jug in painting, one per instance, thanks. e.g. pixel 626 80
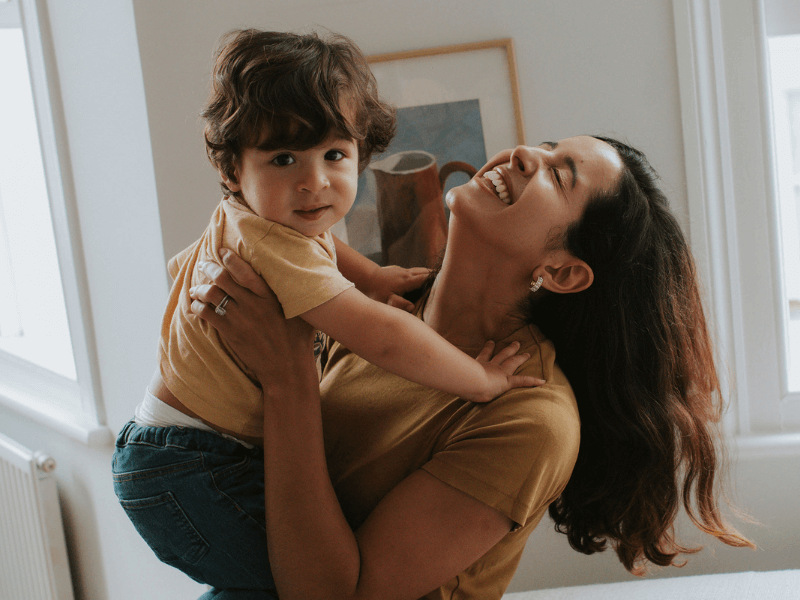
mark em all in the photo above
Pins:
pixel 411 214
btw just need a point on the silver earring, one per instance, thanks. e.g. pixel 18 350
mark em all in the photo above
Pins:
pixel 535 285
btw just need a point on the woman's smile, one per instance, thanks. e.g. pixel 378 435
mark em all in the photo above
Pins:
pixel 495 176
pixel 487 184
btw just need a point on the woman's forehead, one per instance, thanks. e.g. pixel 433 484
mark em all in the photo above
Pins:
pixel 595 162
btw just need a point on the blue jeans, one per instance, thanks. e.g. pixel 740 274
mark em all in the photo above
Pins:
pixel 197 499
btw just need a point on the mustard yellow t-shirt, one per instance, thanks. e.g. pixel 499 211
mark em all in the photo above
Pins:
pixel 196 364
pixel 514 454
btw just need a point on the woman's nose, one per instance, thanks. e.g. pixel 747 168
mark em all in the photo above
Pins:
pixel 525 159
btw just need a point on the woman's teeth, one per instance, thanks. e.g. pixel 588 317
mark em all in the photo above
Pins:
pixel 499 185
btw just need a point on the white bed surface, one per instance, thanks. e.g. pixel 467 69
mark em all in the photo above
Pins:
pixel 751 585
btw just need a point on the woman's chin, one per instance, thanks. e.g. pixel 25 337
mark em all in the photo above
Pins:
pixel 449 198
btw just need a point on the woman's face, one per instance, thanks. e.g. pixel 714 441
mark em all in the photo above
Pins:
pixel 523 199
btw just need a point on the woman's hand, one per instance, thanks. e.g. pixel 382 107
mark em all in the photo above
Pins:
pixel 253 323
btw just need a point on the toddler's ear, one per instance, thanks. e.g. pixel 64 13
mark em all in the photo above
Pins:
pixel 231 180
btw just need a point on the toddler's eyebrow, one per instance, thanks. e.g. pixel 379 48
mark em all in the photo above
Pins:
pixel 341 137
pixel 267 146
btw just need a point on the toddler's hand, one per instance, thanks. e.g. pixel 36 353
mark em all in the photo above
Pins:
pixel 500 371
pixel 388 284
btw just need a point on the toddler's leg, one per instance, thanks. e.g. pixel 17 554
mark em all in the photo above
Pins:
pixel 198 500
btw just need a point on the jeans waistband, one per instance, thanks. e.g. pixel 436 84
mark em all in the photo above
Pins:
pixel 183 437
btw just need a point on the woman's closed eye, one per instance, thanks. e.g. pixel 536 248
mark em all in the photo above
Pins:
pixel 557 175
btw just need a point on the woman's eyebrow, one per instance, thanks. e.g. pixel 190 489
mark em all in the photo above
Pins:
pixel 573 169
pixel 570 163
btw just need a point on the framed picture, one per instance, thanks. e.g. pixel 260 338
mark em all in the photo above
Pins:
pixel 456 106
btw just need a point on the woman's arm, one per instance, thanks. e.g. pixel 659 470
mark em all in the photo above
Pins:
pixel 420 535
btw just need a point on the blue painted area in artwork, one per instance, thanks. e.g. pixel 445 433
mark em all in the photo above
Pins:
pixel 449 131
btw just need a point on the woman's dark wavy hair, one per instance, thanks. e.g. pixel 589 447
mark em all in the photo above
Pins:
pixel 297 88
pixel 637 351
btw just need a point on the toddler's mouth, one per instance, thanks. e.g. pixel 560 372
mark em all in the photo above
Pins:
pixel 312 214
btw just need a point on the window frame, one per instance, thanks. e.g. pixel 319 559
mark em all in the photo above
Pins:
pixel 75 409
pixel 725 105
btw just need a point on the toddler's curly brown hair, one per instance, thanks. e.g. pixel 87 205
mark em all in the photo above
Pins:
pixel 291 91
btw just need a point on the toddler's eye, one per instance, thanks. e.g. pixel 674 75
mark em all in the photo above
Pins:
pixel 283 160
pixel 334 155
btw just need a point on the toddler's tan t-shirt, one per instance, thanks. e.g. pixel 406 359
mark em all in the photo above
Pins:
pixel 196 364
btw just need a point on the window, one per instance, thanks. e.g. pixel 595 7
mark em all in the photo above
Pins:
pixel 784 81
pixel 737 214
pixel 46 350
pixel 34 317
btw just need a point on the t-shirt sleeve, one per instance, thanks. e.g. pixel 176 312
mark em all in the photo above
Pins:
pixel 514 454
pixel 301 271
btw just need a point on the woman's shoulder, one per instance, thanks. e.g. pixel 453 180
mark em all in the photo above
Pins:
pixel 549 410
pixel 521 446
pixel 542 363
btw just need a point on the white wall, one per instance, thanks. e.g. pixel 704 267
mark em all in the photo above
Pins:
pixel 134 77
pixel 585 67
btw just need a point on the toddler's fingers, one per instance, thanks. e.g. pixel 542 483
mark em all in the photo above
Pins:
pixel 506 353
pixel 516 381
pixel 400 302
pixel 512 363
pixel 486 352
pixel 415 277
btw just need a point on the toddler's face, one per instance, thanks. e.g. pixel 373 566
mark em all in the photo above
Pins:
pixel 307 190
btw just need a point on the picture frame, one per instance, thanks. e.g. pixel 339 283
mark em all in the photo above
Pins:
pixel 457 106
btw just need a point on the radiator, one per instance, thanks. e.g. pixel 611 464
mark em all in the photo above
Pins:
pixel 33 553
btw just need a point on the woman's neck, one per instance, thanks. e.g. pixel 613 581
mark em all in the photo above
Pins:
pixel 472 302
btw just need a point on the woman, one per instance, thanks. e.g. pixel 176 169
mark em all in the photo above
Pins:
pixel 411 491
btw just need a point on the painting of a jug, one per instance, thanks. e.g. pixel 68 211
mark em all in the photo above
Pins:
pixel 411 215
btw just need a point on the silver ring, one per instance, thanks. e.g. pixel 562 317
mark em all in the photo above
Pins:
pixel 220 310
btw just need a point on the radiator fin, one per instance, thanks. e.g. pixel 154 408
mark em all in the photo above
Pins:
pixel 33 557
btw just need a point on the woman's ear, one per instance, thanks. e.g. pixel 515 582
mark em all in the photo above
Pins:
pixel 568 276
